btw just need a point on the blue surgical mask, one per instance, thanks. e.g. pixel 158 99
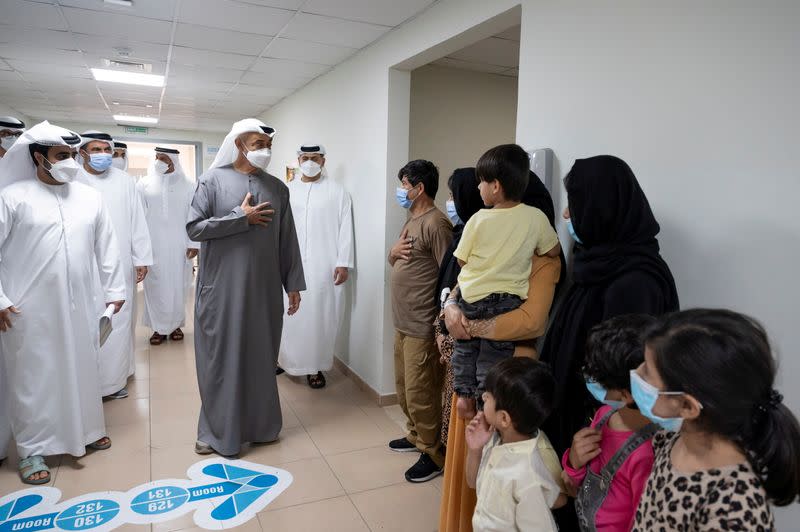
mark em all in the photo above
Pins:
pixel 646 395
pixel 100 161
pixel 572 233
pixel 599 392
pixel 402 198
pixel 452 214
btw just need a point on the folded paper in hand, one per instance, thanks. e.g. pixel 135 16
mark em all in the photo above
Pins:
pixel 105 324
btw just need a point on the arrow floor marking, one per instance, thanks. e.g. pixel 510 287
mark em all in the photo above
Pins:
pixel 237 491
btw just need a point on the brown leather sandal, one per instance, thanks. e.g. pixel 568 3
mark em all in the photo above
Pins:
pixel 177 335
pixel 157 339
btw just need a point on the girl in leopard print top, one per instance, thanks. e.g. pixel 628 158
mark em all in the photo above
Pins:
pixel 734 448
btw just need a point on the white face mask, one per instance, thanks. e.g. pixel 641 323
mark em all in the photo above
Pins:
pixel 7 142
pixel 310 168
pixel 119 163
pixel 161 167
pixel 63 171
pixel 259 158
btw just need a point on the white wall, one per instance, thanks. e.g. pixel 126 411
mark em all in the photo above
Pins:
pixel 456 115
pixel 701 99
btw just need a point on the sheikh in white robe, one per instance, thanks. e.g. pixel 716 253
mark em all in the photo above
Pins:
pixel 324 221
pixel 52 238
pixel 118 190
pixel 166 201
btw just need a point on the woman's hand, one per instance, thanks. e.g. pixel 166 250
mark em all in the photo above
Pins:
pixel 454 320
pixel 466 408
pixel 440 345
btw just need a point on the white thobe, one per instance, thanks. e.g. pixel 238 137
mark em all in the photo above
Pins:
pixel 323 218
pixel 166 201
pixel 5 424
pixel 51 240
pixel 118 190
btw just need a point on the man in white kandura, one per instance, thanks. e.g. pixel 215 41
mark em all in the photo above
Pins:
pixel 53 233
pixel 120 159
pixel 167 194
pixel 118 190
pixel 10 130
pixel 324 221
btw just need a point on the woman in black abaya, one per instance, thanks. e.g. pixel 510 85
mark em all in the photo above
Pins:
pixel 617 270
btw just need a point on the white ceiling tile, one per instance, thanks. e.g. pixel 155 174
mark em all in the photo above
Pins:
pixel 327 30
pixel 30 54
pixel 8 75
pixel 220 40
pixel 281 4
pixel 109 48
pixel 119 91
pixel 114 24
pixel 511 34
pixel 261 79
pixel 237 16
pixel 308 52
pixel 158 9
pixel 284 67
pixel 490 51
pixel 259 94
pixel 203 58
pixel 385 12
pixel 32 15
pixel 48 68
pixel 465 65
pixel 38 37
pixel 182 74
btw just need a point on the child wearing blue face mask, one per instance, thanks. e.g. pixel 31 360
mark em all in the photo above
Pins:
pixel 709 375
pixel 609 461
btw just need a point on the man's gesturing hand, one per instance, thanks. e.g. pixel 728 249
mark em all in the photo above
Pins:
pixel 259 214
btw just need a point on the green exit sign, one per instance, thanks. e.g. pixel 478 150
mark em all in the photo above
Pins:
pixel 139 130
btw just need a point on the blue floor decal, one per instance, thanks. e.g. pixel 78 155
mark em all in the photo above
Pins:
pixel 222 494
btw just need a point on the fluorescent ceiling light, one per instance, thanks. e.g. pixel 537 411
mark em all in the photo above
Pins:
pixel 132 78
pixel 126 3
pixel 136 119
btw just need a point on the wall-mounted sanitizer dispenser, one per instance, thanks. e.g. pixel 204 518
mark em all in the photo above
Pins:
pixel 542 165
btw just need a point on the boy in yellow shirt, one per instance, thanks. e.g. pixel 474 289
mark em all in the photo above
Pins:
pixel 495 253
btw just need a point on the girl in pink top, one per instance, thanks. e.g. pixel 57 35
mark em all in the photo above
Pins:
pixel 610 461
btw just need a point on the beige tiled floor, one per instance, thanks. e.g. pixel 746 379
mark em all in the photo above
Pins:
pixel 333 443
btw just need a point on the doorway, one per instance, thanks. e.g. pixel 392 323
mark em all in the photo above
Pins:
pixel 465 103
pixel 141 155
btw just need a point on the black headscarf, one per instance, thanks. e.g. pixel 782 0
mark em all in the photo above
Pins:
pixel 617 270
pixel 464 186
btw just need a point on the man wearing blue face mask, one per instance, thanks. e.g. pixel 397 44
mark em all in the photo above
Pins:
pixel 415 260
pixel 118 190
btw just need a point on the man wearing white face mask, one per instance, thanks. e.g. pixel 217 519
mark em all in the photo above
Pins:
pixel 10 129
pixel 118 190
pixel 167 194
pixel 120 158
pixel 53 232
pixel 324 221
pixel 249 257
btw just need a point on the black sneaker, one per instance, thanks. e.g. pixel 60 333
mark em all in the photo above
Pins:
pixel 424 470
pixel 402 446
